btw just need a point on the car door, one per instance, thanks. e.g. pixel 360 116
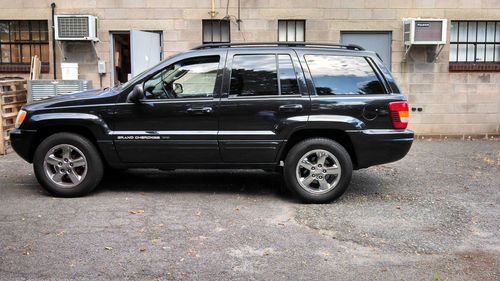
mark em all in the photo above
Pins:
pixel 176 122
pixel 264 100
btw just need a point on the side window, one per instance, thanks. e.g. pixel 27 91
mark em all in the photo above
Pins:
pixel 343 75
pixel 257 75
pixel 191 78
pixel 254 75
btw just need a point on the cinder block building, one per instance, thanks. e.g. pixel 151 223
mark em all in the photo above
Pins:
pixel 453 88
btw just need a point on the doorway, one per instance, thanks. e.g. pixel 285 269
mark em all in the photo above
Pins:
pixel 133 52
pixel 376 41
pixel 121 57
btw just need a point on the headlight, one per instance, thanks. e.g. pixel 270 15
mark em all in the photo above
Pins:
pixel 20 118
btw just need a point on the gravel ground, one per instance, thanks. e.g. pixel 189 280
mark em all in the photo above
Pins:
pixel 431 216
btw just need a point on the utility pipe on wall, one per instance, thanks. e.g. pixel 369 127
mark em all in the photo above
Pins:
pixel 53 6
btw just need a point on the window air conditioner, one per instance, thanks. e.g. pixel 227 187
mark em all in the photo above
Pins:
pixel 424 31
pixel 76 27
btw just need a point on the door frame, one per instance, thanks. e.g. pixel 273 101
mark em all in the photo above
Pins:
pixel 112 49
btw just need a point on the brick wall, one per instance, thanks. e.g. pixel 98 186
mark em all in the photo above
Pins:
pixel 452 103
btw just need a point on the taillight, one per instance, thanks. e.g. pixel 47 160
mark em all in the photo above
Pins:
pixel 399 114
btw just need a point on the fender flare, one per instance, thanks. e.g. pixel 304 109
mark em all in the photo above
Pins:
pixel 96 125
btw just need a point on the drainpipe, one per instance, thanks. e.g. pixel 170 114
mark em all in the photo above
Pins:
pixel 239 18
pixel 212 12
pixel 53 6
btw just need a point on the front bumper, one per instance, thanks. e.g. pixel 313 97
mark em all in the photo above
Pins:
pixel 21 141
pixel 374 147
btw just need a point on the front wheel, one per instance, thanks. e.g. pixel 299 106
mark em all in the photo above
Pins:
pixel 318 170
pixel 67 165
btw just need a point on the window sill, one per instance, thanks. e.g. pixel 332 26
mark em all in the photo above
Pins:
pixel 21 68
pixel 474 67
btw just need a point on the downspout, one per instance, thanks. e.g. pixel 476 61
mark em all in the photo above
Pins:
pixel 53 6
pixel 212 12
pixel 239 18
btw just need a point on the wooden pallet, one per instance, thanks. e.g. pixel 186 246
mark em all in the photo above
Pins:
pixel 13 96
pixel 7 86
pixel 5 146
pixel 18 96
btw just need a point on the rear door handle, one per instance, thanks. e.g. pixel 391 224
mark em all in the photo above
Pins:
pixel 291 107
pixel 200 110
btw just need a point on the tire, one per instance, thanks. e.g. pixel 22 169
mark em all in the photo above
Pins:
pixel 320 160
pixel 67 165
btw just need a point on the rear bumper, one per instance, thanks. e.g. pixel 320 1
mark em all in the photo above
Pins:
pixel 374 147
pixel 21 141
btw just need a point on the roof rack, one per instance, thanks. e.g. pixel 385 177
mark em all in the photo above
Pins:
pixel 284 44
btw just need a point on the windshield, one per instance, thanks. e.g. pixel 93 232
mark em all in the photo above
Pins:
pixel 138 77
pixel 131 81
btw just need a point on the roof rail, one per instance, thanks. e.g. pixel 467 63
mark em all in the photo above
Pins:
pixel 284 44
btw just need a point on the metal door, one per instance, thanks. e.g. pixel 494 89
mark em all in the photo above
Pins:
pixel 377 41
pixel 145 50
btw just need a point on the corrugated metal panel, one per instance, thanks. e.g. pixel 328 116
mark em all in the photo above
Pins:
pixel 42 89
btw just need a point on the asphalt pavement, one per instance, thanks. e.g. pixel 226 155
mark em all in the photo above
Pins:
pixel 432 216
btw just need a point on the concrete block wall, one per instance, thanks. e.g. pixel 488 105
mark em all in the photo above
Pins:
pixel 452 103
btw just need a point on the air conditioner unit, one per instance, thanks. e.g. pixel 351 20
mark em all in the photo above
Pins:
pixel 76 27
pixel 425 31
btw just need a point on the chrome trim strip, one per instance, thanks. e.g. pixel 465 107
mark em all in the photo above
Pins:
pixel 240 133
pixel 209 133
pixel 380 131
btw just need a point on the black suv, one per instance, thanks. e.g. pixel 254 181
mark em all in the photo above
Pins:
pixel 313 111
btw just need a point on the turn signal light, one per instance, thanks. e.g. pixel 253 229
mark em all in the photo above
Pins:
pixel 399 114
pixel 20 118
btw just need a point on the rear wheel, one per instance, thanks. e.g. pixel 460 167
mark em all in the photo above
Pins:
pixel 67 165
pixel 318 170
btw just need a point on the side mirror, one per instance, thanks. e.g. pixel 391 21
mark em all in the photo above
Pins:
pixel 136 95
pixel 178 88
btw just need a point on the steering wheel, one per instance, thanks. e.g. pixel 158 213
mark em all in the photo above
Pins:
pixel 168 90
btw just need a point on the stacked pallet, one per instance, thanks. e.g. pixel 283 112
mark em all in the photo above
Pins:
pixel 12 97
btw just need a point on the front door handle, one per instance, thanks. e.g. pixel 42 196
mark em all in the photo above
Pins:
pixel 200 110
pixel 291 107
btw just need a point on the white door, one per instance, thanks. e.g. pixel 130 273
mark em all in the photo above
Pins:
pixel 145 50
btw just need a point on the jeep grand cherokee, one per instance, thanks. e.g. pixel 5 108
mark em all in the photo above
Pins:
pixel 313 111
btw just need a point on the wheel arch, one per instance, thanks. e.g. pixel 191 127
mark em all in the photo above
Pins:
pixel 46 131
pixel 337 135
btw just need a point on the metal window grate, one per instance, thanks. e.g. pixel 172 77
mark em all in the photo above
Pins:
pixel 22 39
pixel 291 30
pixel 475 42
pixel 216 31
pixel 73 27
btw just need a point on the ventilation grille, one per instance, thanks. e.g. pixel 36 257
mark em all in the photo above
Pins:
pixel 73 27
pixel 42 89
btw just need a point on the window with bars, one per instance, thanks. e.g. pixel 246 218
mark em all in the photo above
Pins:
pixel 475 42
pixel 216 31
pixel 291 30
pixel 22 39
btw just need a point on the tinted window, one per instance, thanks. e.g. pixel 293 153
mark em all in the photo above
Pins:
pixel 343 75
pixel 288 79
pixel 254 75
pixel 192 78
pixel 390 80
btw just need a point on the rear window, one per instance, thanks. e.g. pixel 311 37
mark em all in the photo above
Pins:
pixel 343 75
